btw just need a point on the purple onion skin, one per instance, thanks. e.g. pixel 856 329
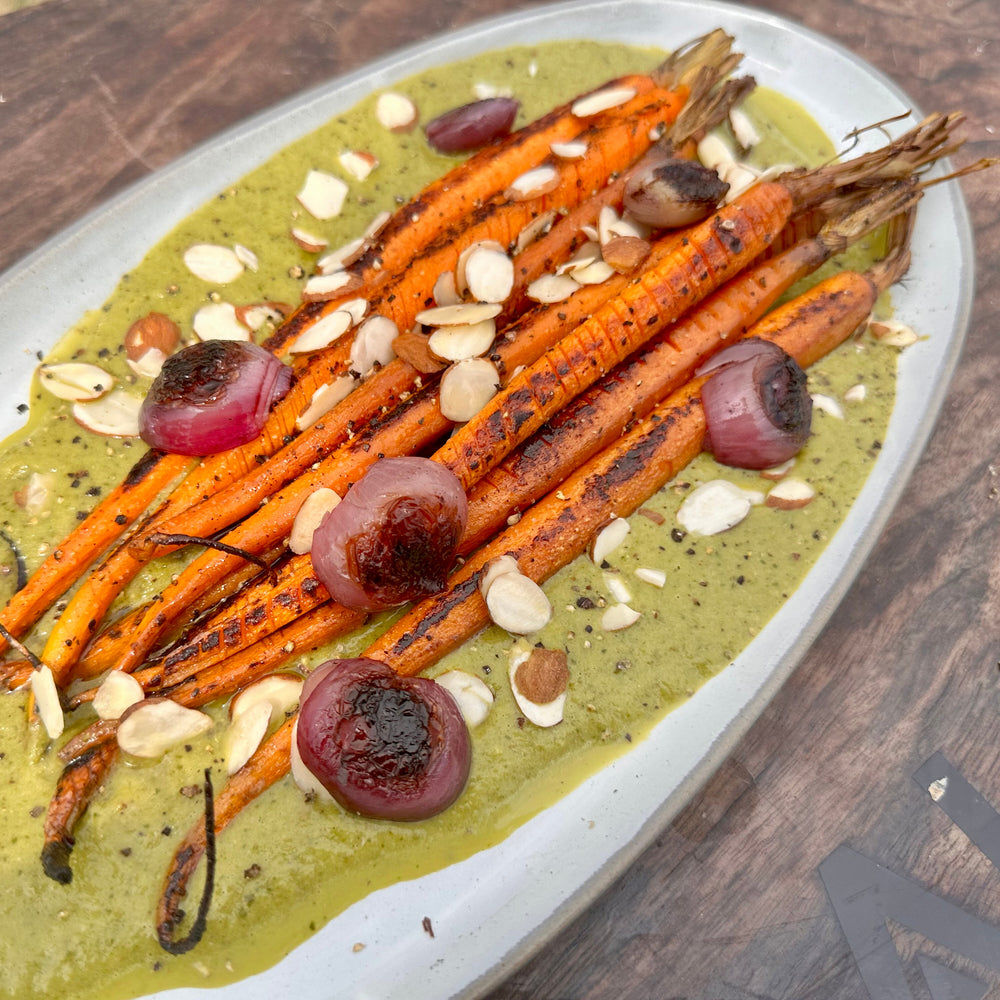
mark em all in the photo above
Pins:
pixel 212 396
pixel 758 410
pixel 392 538
pixel 384 746
pixel 472 126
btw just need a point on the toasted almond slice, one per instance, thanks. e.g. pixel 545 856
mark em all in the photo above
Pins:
pixel 323 332
pixel 593 274
pixel 517 604
pixel 75 380
pixel 713 507
pixel 617 588
pixel 458 343
pixel 322 195
pixel 154 726
pixel 585 255
pixel 373 344
pixel 149 365
pixel 113 415
pixel 314 508
pixel 608 538
pixel 218 321
pixel 445 291
pixel 534 183
pixel 308 241
pixel 461 314
pixel 413 348
pixel 358 164
pixel 473 695
pixel 776 472
pixel 304 778
pixel 466 387
pixel 36 494
pixel 461 279
pixel 654 577
pixel 538 680
pixel 396 112
pixel 489 274
pixel 494 568
pixel 714 152
pixel 828 405
pixel 324 287
pixel 324 399
pixel 376 225
pixel 245 735
pixel 739 177
pixel 790 494
pixel 246 257
pixel 892 332
pixel 619 616
pixel 47 704
pixel 744 132
pixel 856 393
pixel 551 288
pixel 340 258
pixel 280 692
pixel 152 330
pixel 602 100
pixel 118 691
pixel 257 315
pixel 215 264
pixel 569 150
pixel 358 308
pixel 540 224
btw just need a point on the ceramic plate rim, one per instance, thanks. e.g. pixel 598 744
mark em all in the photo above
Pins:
pixel 468 962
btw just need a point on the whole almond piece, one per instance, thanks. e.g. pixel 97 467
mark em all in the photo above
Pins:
pixel 152 330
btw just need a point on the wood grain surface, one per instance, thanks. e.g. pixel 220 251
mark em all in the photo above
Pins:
pixel 729 902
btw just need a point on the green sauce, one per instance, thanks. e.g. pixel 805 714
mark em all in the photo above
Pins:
pixel 286 866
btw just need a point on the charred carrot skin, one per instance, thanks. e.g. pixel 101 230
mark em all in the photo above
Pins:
pixel 127 502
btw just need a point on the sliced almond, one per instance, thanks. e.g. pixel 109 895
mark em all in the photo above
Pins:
pixel 534 183
pixel 617 588
pixel 608 538
pixel 461 314
pixel 245 735
pixel 569 150
pixel 489 274
pixel 37 492
pixel 113 415
pixel 466 387
pixel 309 242
pixel 540 224
pixel 828 405
pixel 550 288
pixel 373 344
pixel 715 153
pixel 413 348
pixel 154 330
pixel 377 225
pixel 445 291
pixel 458 343
pixel 323 332
pixel 154 726
pixel 118 692
pixel 396 112
pixel 47 703
pixel 856 393
pixel 892 332
pixel 215 264
pixel 473 695
pixel 257 315
pixel 359 165
pixel 744 131
pixel 75 380
pixel 461 279
pixel 218 321
pixel 494 568
pixel 306 781
pixel 341 258
pixel 280 692
pixel 790 494
pixel 602 100
pixel 776 472
pixel 594 274
pixel 246 257
pixel 516 603
pixel 324 399
pixel 654 577
pixel 539 679
pixel 149 365
pixel 324 287
pixel 322 195
pixel 314 508
pixel 585 255
pixel 714 507
pixel 619 616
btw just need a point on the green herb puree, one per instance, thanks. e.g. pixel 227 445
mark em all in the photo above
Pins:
pixel 287 865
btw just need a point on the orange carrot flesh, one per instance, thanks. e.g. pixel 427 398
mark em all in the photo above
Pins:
pixel 102 526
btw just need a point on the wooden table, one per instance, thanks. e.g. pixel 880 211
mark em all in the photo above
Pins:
pixel 821 825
